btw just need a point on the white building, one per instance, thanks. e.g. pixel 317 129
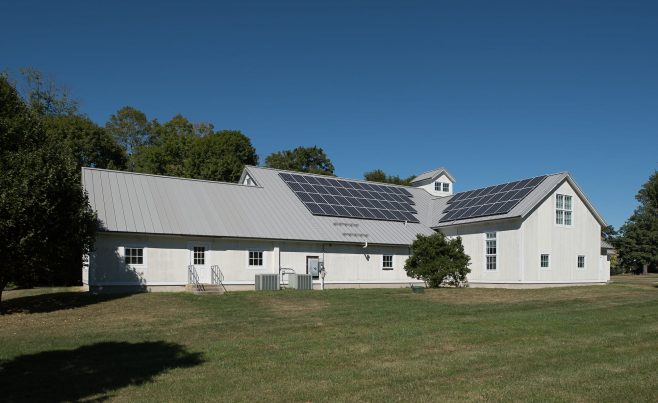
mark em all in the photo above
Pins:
pixel 157 230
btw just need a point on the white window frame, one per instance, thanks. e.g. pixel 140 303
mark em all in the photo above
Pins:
pixel 206 246
pixel 487 239
pixel 262 259
pixel 584 259
pixel 134 246
pixel 561 210
pixel 392 266
pixel 548 261
pixel 445 187
pixel 437 186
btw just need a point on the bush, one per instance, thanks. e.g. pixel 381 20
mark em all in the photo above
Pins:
pixel 438 261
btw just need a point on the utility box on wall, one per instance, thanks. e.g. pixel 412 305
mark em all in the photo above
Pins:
pixel 300 281
pixel 267 282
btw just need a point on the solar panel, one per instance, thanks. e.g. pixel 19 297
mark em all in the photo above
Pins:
pixel 351 199
pixel 492 200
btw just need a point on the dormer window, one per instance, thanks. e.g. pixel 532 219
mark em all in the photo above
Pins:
pixel 442 187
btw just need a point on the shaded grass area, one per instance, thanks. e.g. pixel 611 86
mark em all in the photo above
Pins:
pixel 581 343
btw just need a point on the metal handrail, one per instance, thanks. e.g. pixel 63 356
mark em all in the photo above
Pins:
pixel 217 277
pixel 193 277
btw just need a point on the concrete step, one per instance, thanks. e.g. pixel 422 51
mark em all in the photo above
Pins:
pixel 205 289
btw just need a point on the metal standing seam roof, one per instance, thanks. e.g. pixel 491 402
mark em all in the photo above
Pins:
pixel 432 174
pixel 152 204
pixel 141 203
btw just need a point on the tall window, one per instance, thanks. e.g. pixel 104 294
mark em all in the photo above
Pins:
pixel 134 255
pixel 255 258
pixel 387 262
pixel 199 255
pixel 543 261
pixel 446 187
pixel 491 250
pixel 437 186
pixel 581 262
pixel 563 209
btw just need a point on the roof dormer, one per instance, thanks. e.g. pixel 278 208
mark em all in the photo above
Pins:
pixel 438 182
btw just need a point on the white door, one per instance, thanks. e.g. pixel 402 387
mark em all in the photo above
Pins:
pixel 199 258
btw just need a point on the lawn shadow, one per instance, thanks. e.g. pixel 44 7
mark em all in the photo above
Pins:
pixel 44 303
pixel 115 271
pixel 89 372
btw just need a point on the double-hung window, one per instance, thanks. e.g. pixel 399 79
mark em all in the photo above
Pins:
pixel 544 261
pixel 446 187
pixel 133 255
pixel 563 210
pixel 437 186
pixel 387 262
pixel 581 261
pixel 491 250
pixel 255 258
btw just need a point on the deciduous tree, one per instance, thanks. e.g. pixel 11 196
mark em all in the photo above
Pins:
pixel 221 156
pixel 92 146
pixel 438 260
pixel 378 175
pixel 45 218
pixel 130 128
pixel 638 243
pixel 301 159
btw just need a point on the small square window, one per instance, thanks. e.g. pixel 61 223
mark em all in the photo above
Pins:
pixel 387 262
pixel 446 187
pixel 255 258
pixel 199 257
pixel 544 262
pixel 437 186
pixel 581 262
pixel 134 255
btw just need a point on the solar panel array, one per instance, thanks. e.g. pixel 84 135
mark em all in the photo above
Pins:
pixel 492 200
pixel 351 199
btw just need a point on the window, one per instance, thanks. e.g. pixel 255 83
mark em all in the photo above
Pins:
pixel 134 255
pixel 563 210
pixel 581 262
pixel 544 261
pixel 255 258
pixel 491 250
pixel 199 255
pixel 442 186
pixel 387 262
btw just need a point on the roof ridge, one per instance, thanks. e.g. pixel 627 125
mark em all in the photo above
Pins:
pixel 515 180
pixel 169 177
pixel 331 177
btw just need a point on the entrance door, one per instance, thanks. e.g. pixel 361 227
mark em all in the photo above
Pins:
pixel 313 266
pixel 199 258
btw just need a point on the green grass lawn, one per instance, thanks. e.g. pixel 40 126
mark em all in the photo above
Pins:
pixel 579 344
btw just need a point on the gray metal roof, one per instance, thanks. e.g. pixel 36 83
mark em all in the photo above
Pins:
pixel 132 202
pixel 606 245
pixel 429 175
pixel 142 203
pixel 525 207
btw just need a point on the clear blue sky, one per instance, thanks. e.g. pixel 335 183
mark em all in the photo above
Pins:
pixel 492 90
